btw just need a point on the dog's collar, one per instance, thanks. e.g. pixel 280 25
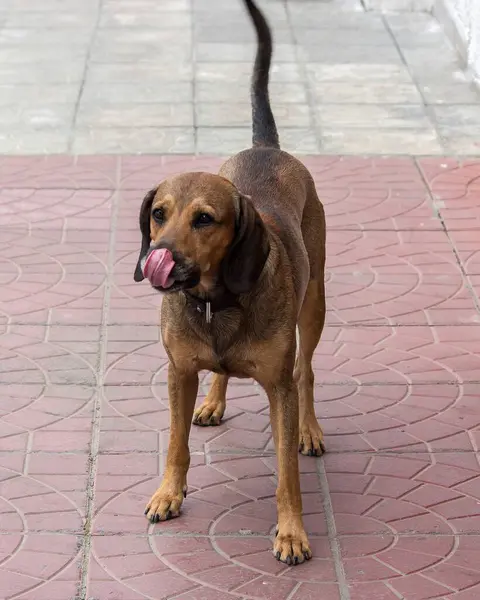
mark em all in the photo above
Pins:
pixel 210 305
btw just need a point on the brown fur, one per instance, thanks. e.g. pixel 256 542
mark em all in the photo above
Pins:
pixel 261 265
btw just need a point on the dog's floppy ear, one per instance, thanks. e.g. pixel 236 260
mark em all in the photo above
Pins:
pixel 144 221
pixel 248 252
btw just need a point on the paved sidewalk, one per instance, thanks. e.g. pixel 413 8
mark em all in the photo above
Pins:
pixel 393 508
pixel 158 76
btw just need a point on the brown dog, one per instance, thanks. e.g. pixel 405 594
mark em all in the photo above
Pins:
pixel 248 249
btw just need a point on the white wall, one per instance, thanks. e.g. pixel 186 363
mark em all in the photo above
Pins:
pixel 465 15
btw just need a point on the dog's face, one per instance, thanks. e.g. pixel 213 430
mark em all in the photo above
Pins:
pixel 214 233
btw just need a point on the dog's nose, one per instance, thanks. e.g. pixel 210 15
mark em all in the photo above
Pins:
pixel 166 244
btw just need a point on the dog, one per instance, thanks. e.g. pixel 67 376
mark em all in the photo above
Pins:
pixel 240 259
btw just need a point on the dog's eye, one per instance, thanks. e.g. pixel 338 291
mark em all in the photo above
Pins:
pixel 159 215
pixel 202 219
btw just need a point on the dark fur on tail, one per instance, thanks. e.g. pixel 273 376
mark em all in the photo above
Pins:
pixel 264 129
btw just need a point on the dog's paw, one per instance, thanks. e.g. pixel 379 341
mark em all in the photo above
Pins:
pixel 165 505
pixel 311 438
pixel 291 545
pixel 209 413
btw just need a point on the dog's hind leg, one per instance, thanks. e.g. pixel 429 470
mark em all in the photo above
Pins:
pixel 310 325
pixel 212 409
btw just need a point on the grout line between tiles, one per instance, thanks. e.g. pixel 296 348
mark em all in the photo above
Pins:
pixel 428 111
pixel 193 60
pixel 73 124
pixel 255 453
pixel 294 591
pixel 332 531
pixel 245 385
pixel 96 424
pixel 231 535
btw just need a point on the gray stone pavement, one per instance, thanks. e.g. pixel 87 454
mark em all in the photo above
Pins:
pixel 157 76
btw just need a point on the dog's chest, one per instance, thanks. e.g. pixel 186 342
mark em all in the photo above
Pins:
pixel 233 367
pixel 225 339
pixel 247 358
pixel 230 344
pixel 234 361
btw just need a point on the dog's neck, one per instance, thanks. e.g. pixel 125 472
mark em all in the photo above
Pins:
pixel 209 304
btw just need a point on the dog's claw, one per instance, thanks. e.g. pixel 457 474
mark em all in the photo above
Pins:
pixel 291 546
pixel 210 413
pixel 311 439
pixel 165 504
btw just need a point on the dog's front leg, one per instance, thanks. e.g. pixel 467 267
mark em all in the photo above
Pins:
pixel 291 543
pixel 167 500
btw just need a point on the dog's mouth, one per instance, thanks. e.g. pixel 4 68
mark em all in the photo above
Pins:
pixel 169 272
pixel 181 278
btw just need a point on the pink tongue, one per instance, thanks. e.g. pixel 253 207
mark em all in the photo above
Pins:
pixel 158 266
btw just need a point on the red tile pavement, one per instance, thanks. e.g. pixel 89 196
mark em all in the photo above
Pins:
pixel 393 510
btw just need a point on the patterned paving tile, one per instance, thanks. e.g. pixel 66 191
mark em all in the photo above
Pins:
pixel 29 356
pixel 53 275
pixel 43 492
pixel 48 418
pixel 222 540
pixel 51 172
pixel 407 524
pixel 39 567
pixel 84 209
pixel 373 193
pixel 232 495
pixel 201 568
pixel 392 510
pixel 455 186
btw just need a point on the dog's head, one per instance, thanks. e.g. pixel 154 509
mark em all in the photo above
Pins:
pixel 213 232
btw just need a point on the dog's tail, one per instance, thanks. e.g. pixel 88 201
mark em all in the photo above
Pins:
pixel 264 129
